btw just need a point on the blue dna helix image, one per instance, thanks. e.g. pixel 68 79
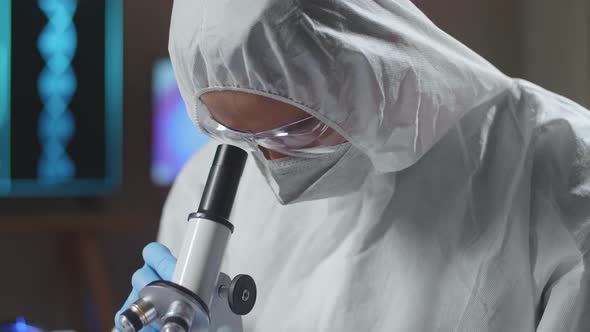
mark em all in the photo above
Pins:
pixel 57 85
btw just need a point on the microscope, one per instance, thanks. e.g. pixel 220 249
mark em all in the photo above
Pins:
pixel 197 284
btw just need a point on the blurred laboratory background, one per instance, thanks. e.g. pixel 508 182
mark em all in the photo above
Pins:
pixel 93 132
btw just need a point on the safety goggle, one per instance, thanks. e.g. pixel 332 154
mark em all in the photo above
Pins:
pixel 300 138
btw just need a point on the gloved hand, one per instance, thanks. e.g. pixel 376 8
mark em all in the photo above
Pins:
pixel 159 264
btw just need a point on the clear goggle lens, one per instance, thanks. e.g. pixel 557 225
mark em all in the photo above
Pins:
pixel 300 138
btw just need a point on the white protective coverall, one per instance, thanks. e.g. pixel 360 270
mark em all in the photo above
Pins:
pixel 477 215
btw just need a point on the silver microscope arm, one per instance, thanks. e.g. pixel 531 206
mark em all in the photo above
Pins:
pixel 184 304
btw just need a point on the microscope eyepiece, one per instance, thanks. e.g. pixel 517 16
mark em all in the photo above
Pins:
pixel 222 184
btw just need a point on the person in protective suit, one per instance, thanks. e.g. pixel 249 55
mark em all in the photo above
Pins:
pixel 397 180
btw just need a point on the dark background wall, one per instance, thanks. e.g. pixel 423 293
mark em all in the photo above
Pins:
pixel 41 240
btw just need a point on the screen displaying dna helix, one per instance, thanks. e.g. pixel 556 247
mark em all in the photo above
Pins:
pixel 60 97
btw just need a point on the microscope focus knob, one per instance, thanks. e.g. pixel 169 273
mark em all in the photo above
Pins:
pixel 242 294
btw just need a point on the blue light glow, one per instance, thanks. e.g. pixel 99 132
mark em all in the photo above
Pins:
pixel 174 138
pixel 57 85
pixel 21 325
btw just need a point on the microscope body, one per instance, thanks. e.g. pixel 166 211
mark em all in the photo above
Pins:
pixel 184 304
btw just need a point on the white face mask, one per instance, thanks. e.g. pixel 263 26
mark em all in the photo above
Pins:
pixel 303 179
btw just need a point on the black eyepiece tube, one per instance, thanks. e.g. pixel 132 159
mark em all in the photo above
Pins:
pixel 222 184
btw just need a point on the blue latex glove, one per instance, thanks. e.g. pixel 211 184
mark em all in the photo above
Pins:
pixel 159 264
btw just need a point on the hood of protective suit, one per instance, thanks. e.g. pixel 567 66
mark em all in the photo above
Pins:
pixel 488 231
pixel 379 72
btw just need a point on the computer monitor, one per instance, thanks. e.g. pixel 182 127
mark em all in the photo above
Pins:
pixel 60 97
pixel 174 138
